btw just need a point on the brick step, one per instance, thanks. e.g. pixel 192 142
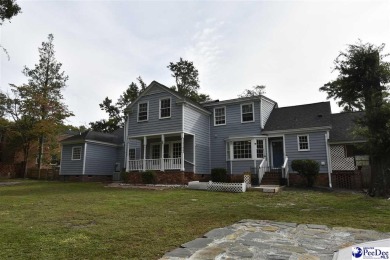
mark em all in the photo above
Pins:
pixel 271 178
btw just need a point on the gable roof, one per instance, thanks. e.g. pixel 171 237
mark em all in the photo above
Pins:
pixel 89 135
pixel 298 117
pixel 171 91
pixel 342 127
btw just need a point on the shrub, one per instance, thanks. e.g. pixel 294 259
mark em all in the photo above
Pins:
pixel 125 176
pixel 149 177
pixel 219 175
pixel 307 168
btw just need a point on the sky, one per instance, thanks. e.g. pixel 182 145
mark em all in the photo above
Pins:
pixel 288 46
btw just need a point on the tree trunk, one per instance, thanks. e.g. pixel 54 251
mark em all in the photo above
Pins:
pixel 40 152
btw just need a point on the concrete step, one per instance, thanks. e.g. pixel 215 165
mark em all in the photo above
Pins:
pixel 268 188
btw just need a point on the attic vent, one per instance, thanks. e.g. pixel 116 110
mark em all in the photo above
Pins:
pixel 319 115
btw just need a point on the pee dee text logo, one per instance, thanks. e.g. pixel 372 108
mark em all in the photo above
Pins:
pixel 370 253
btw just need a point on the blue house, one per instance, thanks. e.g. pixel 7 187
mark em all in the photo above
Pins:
pixel 167 132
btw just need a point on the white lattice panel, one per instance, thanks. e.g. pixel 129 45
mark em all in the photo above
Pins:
pixel 226 187
pixel 247 180
pixel 339 159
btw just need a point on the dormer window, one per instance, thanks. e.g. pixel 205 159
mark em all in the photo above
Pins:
pixel 165 108
pixel 143 112
pixel 247 113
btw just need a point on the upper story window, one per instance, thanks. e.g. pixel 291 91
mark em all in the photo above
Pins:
pixel 219 116
pixel 76 153
pixel 303 143
pixel 165 108
pixel 143 111
pixel 242 150
pixel 247 113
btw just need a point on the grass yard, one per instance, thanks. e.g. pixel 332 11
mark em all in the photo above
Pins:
pixel 54 220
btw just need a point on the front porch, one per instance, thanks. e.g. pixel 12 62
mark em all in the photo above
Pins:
pixel 173 151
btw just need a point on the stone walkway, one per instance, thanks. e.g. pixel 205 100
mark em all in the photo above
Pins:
pixel 257 239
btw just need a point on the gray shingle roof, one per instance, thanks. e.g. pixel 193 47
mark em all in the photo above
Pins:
pixel 302 116
pixel 342 127
pixel 114 138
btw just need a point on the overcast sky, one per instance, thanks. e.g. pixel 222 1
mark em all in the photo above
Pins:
pixel 289 46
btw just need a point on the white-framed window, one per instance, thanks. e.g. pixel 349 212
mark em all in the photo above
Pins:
pixel 303 143
pixel 247 114
pixel 165 108
pixel 242 150
pixel 259 148
pixel 132 154
pixel 143 109
pixel 219 116
pixel 155 151
pixel 176 150
pixel 76 153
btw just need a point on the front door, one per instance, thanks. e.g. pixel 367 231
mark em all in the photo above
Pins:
pixel 277 153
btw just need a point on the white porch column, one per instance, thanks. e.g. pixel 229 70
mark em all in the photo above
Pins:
pixel 144 161
pixel 182 152
pixel 127 155
pixel 162 153
pixel 231 154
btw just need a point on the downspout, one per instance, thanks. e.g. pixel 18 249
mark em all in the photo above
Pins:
pixel 84 158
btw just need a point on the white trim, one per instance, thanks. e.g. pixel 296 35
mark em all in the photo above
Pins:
pixel 147 111
pixel 62 150
pixel 159 108
pixel 158 134
pixel 308 143
pixel 253 112
pixel 328 159
pixel 284 146
pixel 261 113
pixel 194 153
pixel 238 138
pixel 85 155
pixel 103 143
pixel 73 147
pixel 297 130
pixel 224 108
pixel 182 117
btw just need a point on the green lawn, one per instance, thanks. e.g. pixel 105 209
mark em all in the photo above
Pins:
pixel 54 220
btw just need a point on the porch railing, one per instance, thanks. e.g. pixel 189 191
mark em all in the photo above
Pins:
pixel 262 169
pixel 155 164
pixel 172 163
pixel 285 170
pixel 135 165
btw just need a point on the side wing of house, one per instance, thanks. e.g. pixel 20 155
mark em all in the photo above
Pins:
pixel 100 159
pixel 72 159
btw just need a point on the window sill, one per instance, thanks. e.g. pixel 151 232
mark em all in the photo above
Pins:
pixel 220 125
pixel 306 150
pixel 242 122
pixel 164 118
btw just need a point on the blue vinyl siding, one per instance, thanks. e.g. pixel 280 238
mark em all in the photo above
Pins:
pixel 197 123
pixel 233 128
pixel 69 166
pixel 317 149
pixel 100 159
pixel 154 125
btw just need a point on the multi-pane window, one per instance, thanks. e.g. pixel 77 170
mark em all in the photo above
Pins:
pixel 76 153
pixel 176 150
pixel 155 151
pixel 219 116
pixel 260 148
pixel 165 108
pixel 247 112
pixel 303 143
pixel 143 111
pixel 132 154
pixel 242 149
